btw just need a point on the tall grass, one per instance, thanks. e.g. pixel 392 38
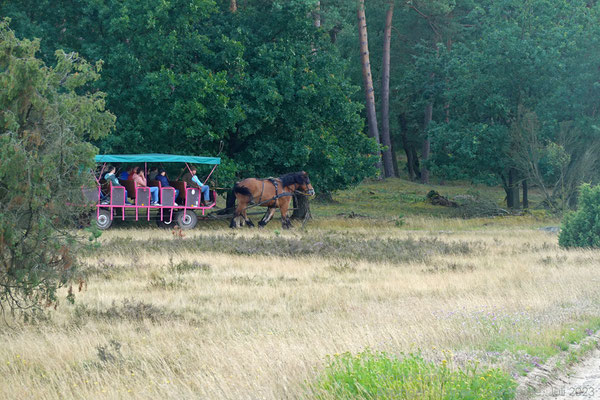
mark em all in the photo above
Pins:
pixel 173 317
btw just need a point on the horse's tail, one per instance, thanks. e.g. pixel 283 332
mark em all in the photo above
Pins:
pixel 243 190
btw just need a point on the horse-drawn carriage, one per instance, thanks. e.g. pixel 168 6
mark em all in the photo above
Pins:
pixel 111 201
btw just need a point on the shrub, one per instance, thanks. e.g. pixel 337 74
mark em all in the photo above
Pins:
pixel 476 206
pixel 582 227
pixel 371 375
pixel 45 120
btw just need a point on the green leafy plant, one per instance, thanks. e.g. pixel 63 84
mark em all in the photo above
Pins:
pixel 582 227
pixel 378 375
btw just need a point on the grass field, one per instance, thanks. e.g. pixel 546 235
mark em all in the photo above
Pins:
pixel 251 314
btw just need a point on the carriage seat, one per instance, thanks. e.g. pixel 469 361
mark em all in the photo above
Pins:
pixel 181 186
pixel 117 195
pixel 130 186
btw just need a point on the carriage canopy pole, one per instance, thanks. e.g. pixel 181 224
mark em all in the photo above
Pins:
pixel 101 171
pixel 213 170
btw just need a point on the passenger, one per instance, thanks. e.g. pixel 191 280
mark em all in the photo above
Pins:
pixel 192 180
pixel 140 181
pixel 110 177
pixel 124 175
pixel 152 174
pixel 164 181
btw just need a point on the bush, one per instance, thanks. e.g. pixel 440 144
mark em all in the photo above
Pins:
pixel 45 119
pixel 582 227
pixel 371 375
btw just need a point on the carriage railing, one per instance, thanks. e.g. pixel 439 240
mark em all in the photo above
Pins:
pixel 118 201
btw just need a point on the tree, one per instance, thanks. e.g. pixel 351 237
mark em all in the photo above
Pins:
pixel 299 112
pixel 557 167
pixel 388 164
pixel 519 56
pixel 45 119
pixel 263 84
pixel 366 73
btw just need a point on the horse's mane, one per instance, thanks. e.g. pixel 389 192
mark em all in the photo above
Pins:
pixel 291 178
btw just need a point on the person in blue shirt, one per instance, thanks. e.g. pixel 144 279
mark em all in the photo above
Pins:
pixel 124 175
pixel 110 177
pixel 192 180
pixel 164 181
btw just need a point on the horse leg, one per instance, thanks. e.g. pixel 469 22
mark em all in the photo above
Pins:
pixel 247 220
pixel 283 207
pixel 235 222
pixel 268 215
pixel 238 219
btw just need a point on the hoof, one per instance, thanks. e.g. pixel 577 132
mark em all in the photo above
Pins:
pixel 250 224
pixel 236 222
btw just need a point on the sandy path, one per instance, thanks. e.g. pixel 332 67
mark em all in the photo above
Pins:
pixel 581 382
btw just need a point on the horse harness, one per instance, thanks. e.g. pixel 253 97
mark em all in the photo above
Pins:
pixel 277 194
pixel 274 183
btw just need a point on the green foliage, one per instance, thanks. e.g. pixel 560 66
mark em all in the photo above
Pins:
pixel 520 55
pixel 377 375
pixel 469 151
pixel 297 102
pixel 582 227
pixel 183 76
pixel 45 119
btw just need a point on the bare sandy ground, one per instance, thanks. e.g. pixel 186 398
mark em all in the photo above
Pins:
pixel 580 382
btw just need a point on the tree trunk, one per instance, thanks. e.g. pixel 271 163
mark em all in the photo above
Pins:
pixel 233 5
pixel 512 190
pixel 367 78
pixel 333 32
pixel 388 164
pixel 410 162
pixel 507 191
pixel 317 15
pixel 394 158
pixel 301 208
pixel 415 162
pixel 426 142
pixel 525 194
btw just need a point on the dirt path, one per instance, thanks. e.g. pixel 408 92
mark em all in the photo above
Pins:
pixel 581 382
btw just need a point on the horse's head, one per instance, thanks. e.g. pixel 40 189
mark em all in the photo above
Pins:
pixel 303 183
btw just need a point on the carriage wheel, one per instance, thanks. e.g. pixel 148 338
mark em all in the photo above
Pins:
pixel 103 221
pixel 164 223
pixel 187 221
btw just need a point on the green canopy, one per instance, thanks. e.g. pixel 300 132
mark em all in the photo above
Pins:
pixel 155 158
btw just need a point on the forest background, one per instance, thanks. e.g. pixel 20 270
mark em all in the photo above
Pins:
pixel 501 92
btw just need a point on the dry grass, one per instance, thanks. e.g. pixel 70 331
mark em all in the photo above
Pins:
pixel 156 323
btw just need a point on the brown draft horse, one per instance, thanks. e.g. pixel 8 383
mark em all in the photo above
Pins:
pixel 270 192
